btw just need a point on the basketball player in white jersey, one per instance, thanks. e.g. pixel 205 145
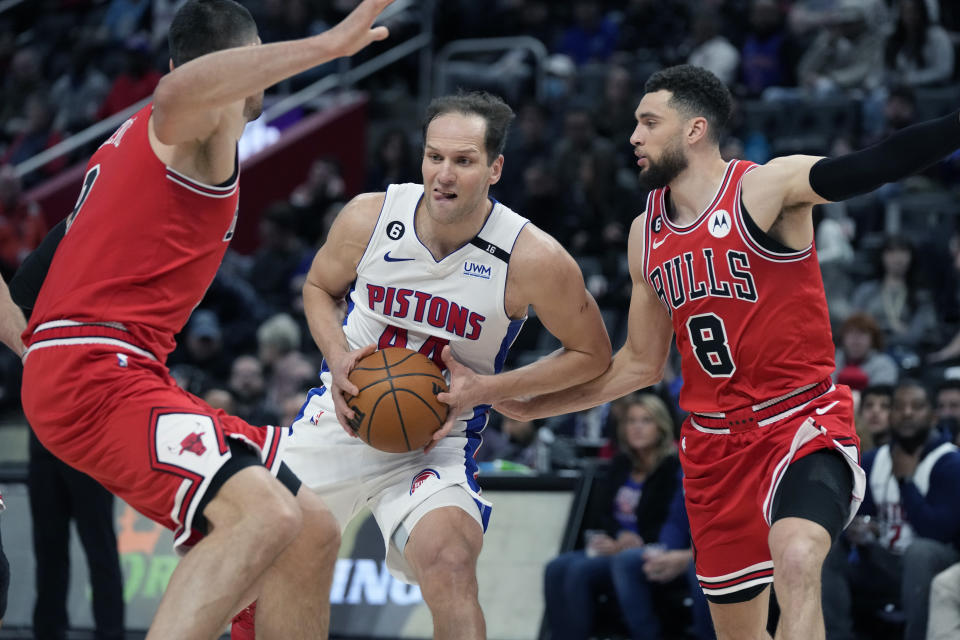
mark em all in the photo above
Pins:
pixel 443 269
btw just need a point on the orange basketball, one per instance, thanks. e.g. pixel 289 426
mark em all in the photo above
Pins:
pixel 397 409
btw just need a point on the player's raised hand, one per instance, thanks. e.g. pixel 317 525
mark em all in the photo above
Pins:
pixel 342 388
pixel 356 31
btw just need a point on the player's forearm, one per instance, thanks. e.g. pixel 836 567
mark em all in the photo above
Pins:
pixel 626 373
pixel 559 370
pixel 12 322
pixel 224 77
pixel 325 319
pixel 902 154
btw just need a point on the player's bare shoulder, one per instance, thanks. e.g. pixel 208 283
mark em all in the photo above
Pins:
pixel 358 217
pixel 538 263
pixel 636 241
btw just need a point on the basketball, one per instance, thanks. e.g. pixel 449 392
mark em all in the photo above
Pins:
pixel 396 409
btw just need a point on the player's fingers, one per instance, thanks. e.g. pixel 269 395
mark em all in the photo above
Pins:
pixel 379 33
pixel 363 352
pixel 447 356
pixel 445 397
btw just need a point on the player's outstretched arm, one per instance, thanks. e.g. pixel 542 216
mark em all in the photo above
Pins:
pixel 188 101
pixel 797 182
pixel 12 322
pixel 639 363
pixel 334 268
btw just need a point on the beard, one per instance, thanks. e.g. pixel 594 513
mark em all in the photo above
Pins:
pixel 910 443
pixel 662 172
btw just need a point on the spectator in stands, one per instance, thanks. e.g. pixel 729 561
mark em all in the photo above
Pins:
pixel 907 528
pixel 948 409
pixel 710 49
pixel 78 93
pixel 394 161
pixel 592 37
pixel 136 82
pixel 37 134
pixel 614 112
pixel 512 440
pixel 633 505
pixel 873 416
pixel 951 351
pixel 919 52
pixel 585 171
pixel 861 361
pixel 124 18
pixel 279 257
pixel 323 187
pixel 22 79
pixel 201 361
pixel 292 375
pixel 944 623
pixel 902 309
pixel 22 225
pixel 769 54
pixel 530 143
pixel 248 386
pixel 847 55
pixel 655 29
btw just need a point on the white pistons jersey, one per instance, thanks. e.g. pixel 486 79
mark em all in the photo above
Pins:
pixel 404 297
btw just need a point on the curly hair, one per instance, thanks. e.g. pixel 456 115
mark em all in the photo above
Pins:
pixel 696 92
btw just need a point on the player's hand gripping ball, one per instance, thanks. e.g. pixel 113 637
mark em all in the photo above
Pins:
pixel 397 409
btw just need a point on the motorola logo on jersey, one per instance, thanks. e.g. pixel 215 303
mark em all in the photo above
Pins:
pixel 691 276
pixel 420 306
pixel 719 223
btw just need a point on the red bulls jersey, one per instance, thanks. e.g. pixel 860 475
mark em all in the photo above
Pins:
pixel 142 245
pixel 750 315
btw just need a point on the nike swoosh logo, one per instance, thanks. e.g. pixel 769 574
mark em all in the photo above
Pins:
pixel 387 257
pixel 656 245
pixel 823 410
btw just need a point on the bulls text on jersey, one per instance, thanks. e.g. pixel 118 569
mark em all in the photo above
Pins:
pixel 691 276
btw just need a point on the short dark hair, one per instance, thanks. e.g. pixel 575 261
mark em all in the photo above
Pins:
pixel 495 112
pixel 950 384
pixel 885 390
pixel 696 92
pixel 203 26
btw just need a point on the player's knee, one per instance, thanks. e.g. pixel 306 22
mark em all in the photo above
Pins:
pixel 799 559
pixel 449 566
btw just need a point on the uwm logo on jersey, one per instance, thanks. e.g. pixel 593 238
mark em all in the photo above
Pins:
pixel 701 274
pixel 423 307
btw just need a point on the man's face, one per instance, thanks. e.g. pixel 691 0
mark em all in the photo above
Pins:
pixel 875 413
pixel 911 411
pixel 456 176
pixel 658 141
pixel 948 404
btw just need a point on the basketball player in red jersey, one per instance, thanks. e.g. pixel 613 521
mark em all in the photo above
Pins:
pixel 149 230
pixel 723 257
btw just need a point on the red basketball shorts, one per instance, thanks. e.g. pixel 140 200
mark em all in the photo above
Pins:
pixel 733 464
pixel 118 416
